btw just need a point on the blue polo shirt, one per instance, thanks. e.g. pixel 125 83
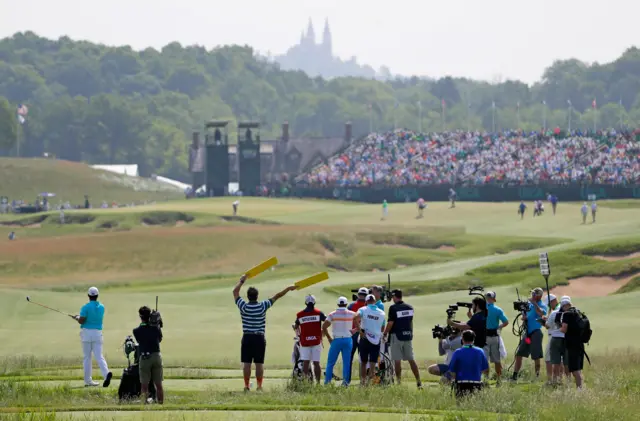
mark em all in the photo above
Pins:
pixel 93 311
pixel 380 305
pixel 495 316
pixel 532 317
pixel 468 363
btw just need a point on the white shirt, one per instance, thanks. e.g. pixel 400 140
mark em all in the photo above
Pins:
pixel 372 321
pixel 554 328
pixel 341 322
pixel 594 207
pixel 585 209
pixel 236 203
pixel 450 346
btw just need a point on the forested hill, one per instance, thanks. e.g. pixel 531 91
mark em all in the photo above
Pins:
pixel 103 104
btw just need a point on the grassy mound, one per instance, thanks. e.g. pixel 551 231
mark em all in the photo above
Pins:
pixel 70 181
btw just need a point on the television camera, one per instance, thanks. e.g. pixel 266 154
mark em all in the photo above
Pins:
pixel 156 317
pixel 385 295
pixel 441 332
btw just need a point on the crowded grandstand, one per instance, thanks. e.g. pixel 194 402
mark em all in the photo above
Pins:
pixel 405 157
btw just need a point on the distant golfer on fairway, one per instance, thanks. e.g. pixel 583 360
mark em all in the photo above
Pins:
pixel 421 205
pixel 235 207
pixel 90 320
pixel 584 210
pixel 385 210
pixel 254 320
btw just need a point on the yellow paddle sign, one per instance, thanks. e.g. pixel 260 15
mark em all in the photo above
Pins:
pixel 257 270
pixel 311 280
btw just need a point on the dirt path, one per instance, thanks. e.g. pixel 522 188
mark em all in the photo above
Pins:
pixel 592 286
pixel 615 258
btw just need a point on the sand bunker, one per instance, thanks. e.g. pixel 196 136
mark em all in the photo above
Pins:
pixel 592 286
pixel 615 258
pixel 447 248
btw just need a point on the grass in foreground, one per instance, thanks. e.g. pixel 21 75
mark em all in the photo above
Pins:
pixel 612 393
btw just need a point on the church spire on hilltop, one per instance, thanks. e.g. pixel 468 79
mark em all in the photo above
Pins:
pixel 327 42
pixel 311 34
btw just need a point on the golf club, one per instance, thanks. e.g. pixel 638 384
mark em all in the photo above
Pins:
pixel 48 308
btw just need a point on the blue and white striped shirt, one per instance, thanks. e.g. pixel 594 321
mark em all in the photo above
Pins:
pixel 253 315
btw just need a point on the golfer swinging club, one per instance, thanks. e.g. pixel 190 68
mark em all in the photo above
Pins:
pixel 90 320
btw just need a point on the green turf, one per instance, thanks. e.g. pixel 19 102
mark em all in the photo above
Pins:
pixel 192 267
pixel 26 178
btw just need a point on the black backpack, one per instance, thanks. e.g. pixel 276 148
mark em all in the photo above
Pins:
pixel 584 326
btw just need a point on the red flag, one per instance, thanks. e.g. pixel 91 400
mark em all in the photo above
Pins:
pixel 593 104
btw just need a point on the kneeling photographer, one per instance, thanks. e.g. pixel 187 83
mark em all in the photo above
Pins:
pixel 449 340
pixel 477 321
pixel 149 336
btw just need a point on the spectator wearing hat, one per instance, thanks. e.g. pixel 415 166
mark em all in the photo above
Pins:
pixel 573 342
pixel 341 321
pixel 531 344
pixel 496 321
pixel 90 320
pixel 400 329
pixel 355 338
pixel 372 323
pixel 555 355
pixel 309 322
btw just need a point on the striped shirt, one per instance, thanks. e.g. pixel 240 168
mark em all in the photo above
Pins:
pixel 253 315
pixel 341 322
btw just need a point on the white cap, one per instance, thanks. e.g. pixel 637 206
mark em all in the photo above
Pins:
pixel 565 302
pixel 363 291
pixel 552 297
pixel 93 292
pixel 309 299
pixel 343 301
pixel 565 297
pixel 490 294
pixel 370 297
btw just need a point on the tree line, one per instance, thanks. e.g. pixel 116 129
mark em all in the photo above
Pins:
pixel 114 105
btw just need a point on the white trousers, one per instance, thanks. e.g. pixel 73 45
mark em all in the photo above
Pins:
pixel 92 343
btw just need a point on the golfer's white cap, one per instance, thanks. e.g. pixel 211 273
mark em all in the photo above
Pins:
pixel 565 297
pixel 552 297
pixel 93 292
pixel 370 297
pixel 363 291
pixel 565 302
pixel 343 301
pixel 309 299
pixel 490 294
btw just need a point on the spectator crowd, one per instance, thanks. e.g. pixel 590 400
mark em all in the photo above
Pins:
pixel 404 157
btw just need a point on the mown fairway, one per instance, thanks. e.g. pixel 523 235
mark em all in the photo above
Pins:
pixel 190 253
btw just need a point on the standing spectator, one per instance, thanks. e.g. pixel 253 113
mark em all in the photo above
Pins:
pixel 467 366
pixel 594 209
pixel 570 320
pixel 400 329
pixel 496 321
pixel 585 210
pixel 556 349
pixel 341 321
pixel 354 307
pixel 309 321
pixel 254 320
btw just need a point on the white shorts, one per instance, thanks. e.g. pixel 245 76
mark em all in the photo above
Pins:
pixel 310 353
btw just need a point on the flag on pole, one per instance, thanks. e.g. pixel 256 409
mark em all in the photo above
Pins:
pixel 594 104
pixel 22 113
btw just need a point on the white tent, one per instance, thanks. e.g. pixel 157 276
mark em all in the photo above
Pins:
pixel 131 170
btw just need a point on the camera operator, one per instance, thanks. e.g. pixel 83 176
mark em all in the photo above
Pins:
pixel 531 344
pixel 477 322
pixel 400 326
pixel 149 338
pixel 467 365
pixel 496 320
pixel 446 346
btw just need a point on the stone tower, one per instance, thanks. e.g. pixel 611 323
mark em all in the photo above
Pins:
pixel 327 42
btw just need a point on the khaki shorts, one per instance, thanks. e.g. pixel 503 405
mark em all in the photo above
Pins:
pixel 492 349
pixel 151 369
pixel 401 350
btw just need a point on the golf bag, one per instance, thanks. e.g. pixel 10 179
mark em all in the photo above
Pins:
pixel 130 387
pixel 385 371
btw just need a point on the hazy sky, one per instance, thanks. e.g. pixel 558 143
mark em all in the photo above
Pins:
pixel 479 39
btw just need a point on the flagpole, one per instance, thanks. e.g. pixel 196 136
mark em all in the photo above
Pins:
pixel 544 116
pixel 419 117
pixel 493 117
pixel 570 112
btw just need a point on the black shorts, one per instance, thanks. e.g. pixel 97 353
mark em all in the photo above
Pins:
pixel 534 348
pixel 368 352
pixel 253 349
pixel 465 389
pixel 575 357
